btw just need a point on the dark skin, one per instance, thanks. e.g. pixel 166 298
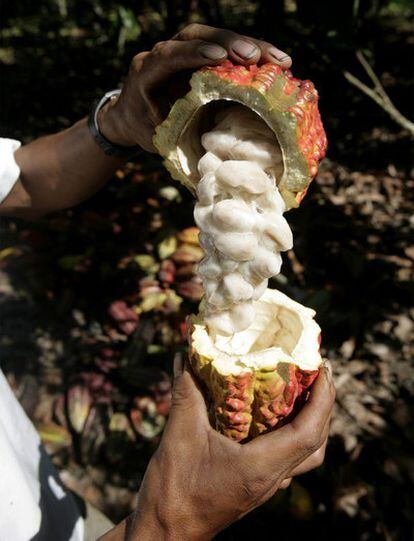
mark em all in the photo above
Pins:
pixel 182 496
pixel 198 481
pixel 64 169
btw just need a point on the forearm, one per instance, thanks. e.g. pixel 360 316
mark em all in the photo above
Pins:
pixel 58 171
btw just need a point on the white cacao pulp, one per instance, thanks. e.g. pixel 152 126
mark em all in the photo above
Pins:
pixel 239 211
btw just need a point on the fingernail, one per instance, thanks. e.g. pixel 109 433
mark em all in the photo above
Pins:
pixel 212 51
pixel 285 483
pixel 243 48
pixel 280 56
pixel 178 365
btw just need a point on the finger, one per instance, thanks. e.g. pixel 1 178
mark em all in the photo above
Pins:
pixel 238 46
pixel 170 57
pixel 285 483
pixel 270 53
pixel 188 407
pixel 312 462
pixel 316 459
pixel 288 446
pixel 240 49
pixel 308 426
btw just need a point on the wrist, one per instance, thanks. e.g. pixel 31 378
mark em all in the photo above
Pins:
pixel 145 527
pixel 152 528
pixel 157 525
pixel 111 124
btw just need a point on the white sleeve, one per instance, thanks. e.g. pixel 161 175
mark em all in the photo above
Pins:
pixel 9 170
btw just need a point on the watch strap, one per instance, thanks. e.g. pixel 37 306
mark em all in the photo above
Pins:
pixel 109 148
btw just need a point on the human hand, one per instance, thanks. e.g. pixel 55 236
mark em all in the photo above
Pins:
pixel 155 78
pixel 198 481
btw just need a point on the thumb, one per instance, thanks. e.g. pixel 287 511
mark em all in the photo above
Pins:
pixel 188 405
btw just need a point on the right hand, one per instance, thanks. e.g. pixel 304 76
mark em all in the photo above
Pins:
pixel 198 481
pixel 147 93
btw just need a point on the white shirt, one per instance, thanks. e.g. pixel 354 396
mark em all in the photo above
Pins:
pixel 34 505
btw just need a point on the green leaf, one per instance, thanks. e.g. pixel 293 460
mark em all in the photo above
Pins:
pixel 167 247
pixel 146 262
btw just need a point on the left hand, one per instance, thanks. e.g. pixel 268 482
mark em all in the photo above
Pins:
pixel 154 77
pixel 198 481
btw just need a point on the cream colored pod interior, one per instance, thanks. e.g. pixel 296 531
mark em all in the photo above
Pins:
pixel 255 350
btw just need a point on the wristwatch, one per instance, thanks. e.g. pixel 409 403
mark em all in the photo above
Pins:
pixel 109 148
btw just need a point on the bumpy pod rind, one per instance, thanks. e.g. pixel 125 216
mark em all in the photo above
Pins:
pixel 276 394
pixel 230 396
pixel 251 402
pixel 288 105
